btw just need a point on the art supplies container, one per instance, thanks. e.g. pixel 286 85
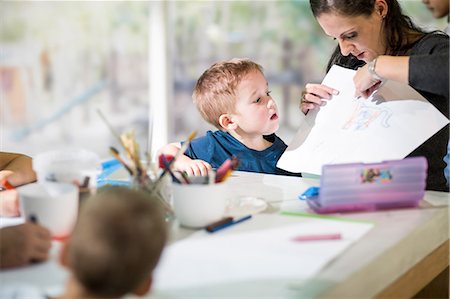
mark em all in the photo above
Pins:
pixel 368 187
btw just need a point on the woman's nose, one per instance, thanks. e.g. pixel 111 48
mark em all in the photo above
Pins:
pixel 346 47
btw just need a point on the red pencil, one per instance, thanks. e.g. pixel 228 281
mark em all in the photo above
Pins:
pixel 226 168
pixel 222 170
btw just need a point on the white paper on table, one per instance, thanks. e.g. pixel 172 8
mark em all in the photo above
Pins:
pixel 47 278
pixel 267 254
pixel 388 125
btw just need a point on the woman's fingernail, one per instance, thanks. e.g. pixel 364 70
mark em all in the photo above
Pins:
pixel 335 92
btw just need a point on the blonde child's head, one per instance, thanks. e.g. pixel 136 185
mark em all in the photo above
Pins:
pixel 117 242
pixel 215 91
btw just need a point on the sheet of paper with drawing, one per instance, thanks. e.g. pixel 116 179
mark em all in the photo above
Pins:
pixel 388 125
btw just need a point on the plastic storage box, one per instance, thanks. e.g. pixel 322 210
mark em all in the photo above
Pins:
pixel 369 187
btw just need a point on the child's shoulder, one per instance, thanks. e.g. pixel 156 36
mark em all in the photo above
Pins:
pixel 203 143
pixel 210 135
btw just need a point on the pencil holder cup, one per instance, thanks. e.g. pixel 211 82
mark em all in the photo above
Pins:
pixel 158 189
pixel 53 205
pixel 197 205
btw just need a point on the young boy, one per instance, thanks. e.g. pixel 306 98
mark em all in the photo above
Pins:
pixel 115 245
pixel 233 96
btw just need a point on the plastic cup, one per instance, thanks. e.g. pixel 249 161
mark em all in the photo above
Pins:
pixel 53 205
pixel 68 166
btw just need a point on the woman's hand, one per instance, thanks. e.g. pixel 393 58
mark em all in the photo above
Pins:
pixel 315 95
pixel 365 84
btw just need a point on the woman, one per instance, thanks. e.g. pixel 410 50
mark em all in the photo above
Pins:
pixel 383 44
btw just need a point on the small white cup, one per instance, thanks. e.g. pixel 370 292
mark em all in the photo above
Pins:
pixel 55 205
pixel 67 166
pixel 198 205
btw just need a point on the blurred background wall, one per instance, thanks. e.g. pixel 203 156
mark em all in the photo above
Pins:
pixel 60 62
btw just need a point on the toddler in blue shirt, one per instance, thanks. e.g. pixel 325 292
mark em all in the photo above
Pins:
pixel 233 96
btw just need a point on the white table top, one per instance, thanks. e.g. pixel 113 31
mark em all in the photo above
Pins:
pixel 398 241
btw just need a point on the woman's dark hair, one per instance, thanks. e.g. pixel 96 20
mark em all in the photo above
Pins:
pixel 397 26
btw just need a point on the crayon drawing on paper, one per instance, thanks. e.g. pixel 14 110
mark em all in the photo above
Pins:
pixel 364 116
pixel 388 125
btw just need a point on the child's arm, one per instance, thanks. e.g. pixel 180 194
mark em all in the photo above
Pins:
pixel 16 168
pixel 184 163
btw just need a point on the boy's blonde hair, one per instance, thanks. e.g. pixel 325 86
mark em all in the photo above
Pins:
pixel 215 91
pixel 117 241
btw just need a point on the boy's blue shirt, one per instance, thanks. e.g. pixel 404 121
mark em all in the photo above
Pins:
pixel 216 147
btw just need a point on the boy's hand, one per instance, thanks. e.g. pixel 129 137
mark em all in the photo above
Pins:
pixel 192 167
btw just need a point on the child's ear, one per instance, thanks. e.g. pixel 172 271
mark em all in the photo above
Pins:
pixel 226 121
pixel 143 287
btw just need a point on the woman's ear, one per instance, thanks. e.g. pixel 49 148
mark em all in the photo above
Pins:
pixel 381 8
pixel 144 286
pixel 226 121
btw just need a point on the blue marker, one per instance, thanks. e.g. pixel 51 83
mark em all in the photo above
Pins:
pixel 310 192
pixel 227 224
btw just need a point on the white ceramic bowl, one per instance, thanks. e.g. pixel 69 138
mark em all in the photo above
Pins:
pixel 198 205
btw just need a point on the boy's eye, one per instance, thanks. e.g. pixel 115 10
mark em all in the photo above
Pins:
pixel 267 94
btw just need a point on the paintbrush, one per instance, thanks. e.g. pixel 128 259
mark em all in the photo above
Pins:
pixel 166 166
pixel 110 127
pixel 116 155
pixel 133 151
pixel 185 145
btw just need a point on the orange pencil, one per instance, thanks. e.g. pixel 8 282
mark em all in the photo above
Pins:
pixel 6 185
